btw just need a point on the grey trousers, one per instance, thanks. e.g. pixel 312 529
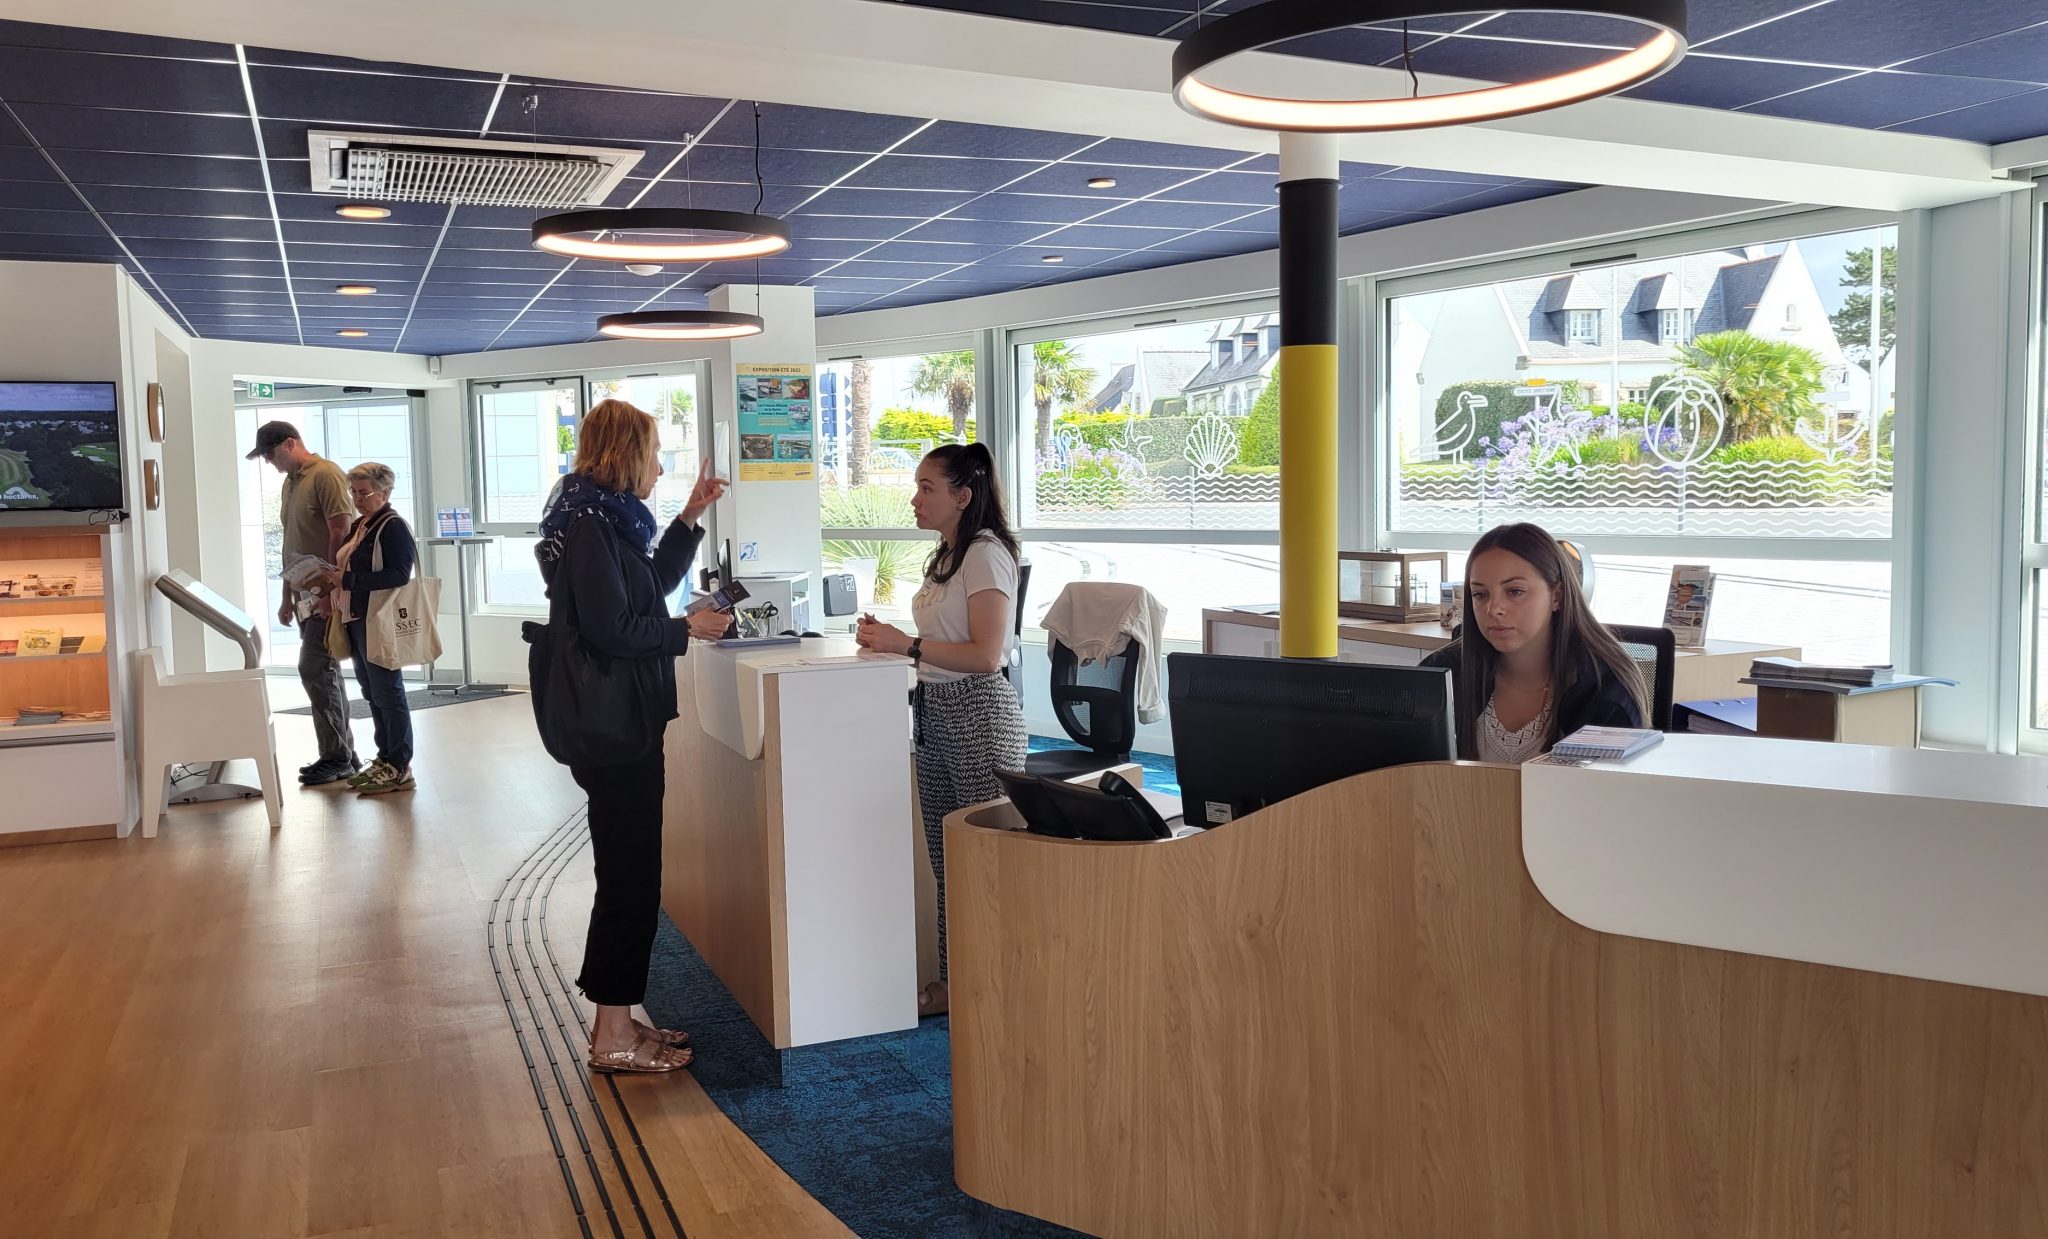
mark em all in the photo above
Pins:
pixel 321 675
pixel 967 730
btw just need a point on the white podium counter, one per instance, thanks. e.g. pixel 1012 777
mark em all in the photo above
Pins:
pixel 1913 862
pixel 788 856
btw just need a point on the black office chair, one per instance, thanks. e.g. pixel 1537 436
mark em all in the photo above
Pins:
pixel 1013 662
pixel 1097 705
pixel 1656 653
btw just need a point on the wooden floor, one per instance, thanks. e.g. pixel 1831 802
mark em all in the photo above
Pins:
pixel 227 1031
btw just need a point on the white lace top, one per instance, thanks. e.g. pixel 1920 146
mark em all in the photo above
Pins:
pixel 1512 748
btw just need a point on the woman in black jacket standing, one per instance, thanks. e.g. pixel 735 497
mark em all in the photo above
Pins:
pixel 1532 665
pixel 601 562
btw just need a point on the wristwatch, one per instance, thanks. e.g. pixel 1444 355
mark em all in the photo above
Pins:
pixel 916 650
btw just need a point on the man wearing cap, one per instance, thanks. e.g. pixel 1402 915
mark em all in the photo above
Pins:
pixel 316 513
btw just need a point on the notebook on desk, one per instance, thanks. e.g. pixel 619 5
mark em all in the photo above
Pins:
pixel 1607 743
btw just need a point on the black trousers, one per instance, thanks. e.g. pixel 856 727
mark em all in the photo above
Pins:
pixel 625 840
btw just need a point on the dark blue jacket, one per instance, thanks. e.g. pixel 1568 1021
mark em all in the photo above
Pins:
pixel 617 597
pixel 400 552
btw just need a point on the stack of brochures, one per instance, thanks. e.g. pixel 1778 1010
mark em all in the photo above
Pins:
pixel 1821 673
pixel 1611 743
pixel 35 716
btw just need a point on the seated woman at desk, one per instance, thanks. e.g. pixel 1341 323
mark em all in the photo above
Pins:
pixel 969 723
pixel 1532 665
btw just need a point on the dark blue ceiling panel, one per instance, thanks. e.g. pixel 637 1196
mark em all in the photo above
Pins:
pixel 192 227
pixel 1131 182
pixel 161 133
pixel 889 203
pixel 23 163
pixel 1889 98
pixel 986 141
pixel 64 245
pixel 11 134
pixel 1097 237
pixel 572 114
pixel 812 129
pixel 931 252
pixel 159 171
pixel 343 232
pixel 1162 155
pixel 2021 55
pixel 1247 188
pixel 325 97
pixel 321 207
pixel 1885 32
pixel 982 232
pixel 1182 215
pixel 79 223
pixel 780 199
pixel 1030 209
pixel 2006 120
pixel 735 165
pixel 1359 45
pixel 1709 82
pixel 931 172
pixel 41 75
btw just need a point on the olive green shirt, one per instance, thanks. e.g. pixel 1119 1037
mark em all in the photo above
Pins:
pixel 316 492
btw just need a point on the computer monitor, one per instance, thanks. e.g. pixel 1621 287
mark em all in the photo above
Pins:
pixel 1251 732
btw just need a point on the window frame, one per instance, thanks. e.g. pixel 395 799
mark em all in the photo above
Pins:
pixel 2024 647
pixel 985 415
pixel 1577 317
pixel 1770 228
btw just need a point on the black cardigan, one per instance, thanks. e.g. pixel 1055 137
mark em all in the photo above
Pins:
pixel 618 598
pixel 399 554
pixel 1594 698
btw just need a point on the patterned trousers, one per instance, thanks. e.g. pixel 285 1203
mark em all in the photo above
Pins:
pixel 967 730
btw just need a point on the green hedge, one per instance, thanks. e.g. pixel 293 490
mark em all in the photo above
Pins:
pixel 1098 430
pixel 898 425
pixel 1258 441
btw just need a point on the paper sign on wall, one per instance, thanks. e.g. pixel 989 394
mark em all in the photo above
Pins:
pixel 775 404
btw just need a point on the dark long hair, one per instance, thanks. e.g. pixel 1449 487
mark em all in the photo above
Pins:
pixel 1574 635
pixel 973 466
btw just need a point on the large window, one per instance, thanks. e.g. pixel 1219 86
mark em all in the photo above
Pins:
pixel 1755 379
pixel 1169 424
pixel 877 417
pixel 347 431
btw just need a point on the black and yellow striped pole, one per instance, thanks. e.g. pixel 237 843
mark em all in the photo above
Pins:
pixel 1308 395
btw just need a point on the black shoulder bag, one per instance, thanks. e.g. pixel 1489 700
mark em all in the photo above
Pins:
pixel 591 709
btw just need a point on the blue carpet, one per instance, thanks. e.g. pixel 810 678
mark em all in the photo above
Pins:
pixel 865 1126
pixel 1161 775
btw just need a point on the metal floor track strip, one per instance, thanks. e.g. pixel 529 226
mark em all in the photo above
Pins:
pixel 544 993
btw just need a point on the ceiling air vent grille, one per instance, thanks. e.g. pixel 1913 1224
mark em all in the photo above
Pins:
pixel 402 168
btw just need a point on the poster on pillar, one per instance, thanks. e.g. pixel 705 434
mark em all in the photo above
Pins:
pixel 775 424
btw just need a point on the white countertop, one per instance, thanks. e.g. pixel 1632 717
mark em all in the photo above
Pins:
pixel 1914 862
pixel 730 699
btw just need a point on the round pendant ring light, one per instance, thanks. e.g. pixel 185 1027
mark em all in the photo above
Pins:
pixel 750 235
pixel 1278 21
pixel 681 325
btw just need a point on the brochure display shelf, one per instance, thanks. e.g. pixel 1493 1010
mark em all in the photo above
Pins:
pixel 64 779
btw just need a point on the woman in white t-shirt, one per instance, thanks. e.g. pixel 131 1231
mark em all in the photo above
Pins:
pixel 969 724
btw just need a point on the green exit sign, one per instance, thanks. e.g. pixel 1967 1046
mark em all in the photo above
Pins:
pixel 263 391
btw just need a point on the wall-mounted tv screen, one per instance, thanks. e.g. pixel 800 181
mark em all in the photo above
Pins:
pixel 60 447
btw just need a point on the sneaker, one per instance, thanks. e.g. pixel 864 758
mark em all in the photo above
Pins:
pixel 327 772
pixel 391 780
pixel 377 769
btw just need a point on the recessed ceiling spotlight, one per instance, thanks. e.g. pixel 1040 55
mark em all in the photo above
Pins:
pixel 1053 258
pixel 361 210
pixel 352 333
pixel 1102 182
pixel 355 290
pixel 644 268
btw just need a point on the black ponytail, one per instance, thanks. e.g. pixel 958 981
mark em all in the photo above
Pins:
pixel 971 467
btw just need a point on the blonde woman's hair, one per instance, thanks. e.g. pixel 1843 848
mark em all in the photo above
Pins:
pixel 377 475
pixel 613 445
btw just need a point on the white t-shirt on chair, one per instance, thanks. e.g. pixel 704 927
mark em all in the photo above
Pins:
pixel 941 610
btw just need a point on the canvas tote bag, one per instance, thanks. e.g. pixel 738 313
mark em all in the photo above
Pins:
pixel 400 629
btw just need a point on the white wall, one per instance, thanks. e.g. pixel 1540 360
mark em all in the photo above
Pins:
pixel 781 518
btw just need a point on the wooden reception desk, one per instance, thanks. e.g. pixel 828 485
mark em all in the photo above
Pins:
pixel 1749 988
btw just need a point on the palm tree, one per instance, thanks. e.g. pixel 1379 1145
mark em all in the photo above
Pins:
pixel 950 375
pixel 1766 386
pixel 861 428
pixel 1057 377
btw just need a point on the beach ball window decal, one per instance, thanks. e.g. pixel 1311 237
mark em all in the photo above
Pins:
pixel 1689 420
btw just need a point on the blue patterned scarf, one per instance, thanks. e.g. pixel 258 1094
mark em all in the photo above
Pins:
pixel 578 494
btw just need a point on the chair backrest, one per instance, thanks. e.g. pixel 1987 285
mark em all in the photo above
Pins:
pixel 1013 662
pixel 1097 705
pixel 1656 653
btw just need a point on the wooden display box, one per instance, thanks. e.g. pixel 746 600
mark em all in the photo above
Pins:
pixel 1395 587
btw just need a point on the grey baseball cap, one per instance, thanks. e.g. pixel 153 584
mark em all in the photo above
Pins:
pixel 268 436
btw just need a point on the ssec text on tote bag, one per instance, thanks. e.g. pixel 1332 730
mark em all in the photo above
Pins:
pixel 399 630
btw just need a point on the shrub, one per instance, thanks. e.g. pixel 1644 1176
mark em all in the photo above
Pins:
pixel 901 425
pixel 872 507
pixel 1502 405
pixel 1623 451
pixel 1814 481
pixel 1252 471
pixel 1258 435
